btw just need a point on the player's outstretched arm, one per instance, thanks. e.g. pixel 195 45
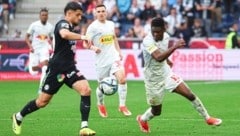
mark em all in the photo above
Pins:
pixel 66 34
pixel 117 46
pixel 161 56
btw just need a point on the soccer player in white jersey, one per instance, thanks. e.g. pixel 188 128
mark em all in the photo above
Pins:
pixel 38 39
pixel 108 58
pixel 159 78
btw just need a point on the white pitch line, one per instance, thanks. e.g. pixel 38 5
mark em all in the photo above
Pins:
pixel 210 82
pixel 115 119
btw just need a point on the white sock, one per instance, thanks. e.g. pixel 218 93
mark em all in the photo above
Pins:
pixel 122 93
pixel 19 116
pixel 197 104
pixel 147 115
pixel 84 124
pixel 100 97
pixel 34 73
pixel 44 69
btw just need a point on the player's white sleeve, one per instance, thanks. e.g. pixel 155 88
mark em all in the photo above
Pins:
pixel 30 29
pixel 149 45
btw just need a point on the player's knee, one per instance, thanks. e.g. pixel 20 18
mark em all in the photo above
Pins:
pixel 85 91
pixel 41 103
pixel 122 81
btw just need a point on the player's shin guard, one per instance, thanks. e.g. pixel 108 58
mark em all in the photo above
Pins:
pixel 85 107
pixel 197 104
pixel 122 92
pixel 29 108
pixel 100 96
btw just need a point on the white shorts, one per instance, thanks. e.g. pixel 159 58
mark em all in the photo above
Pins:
pixel 108 70
pixel 155 91
pixel 39 55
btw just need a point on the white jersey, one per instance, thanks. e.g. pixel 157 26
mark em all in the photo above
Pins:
pixel 102 36
pixel 40 34
pixel 155 71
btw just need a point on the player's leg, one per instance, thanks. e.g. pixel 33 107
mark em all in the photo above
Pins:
pixel 32 106
pixel 33 63
pixel 50 87
pixel 185 91
pixel 79 83
pixel 44 57
pixel 101 73
pixel 147 116
pixel 118 70
pixel 155 94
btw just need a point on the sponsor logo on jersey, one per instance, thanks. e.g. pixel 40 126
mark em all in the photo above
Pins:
pixel 106 39
pixel 71 74
pixel 65 25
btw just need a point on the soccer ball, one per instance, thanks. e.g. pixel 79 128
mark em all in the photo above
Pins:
pixel 108 86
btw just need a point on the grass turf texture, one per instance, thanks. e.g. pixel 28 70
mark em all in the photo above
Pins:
pixel 61 116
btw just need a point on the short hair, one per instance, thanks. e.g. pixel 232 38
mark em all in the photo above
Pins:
pixel 72 6
pixel 44 9
pixel 100 5
pixel 158 22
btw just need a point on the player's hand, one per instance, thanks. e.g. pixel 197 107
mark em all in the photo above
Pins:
pixel 121 56
pixel 180 43
pixel 31 49
pixel 86 39
pixel 96 49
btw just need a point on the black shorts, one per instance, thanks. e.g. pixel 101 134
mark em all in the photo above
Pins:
pixel 55 78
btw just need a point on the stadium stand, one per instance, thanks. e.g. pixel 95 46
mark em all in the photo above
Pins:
pixel 28 11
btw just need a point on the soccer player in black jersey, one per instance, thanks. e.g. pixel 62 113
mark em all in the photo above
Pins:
pixel 62 70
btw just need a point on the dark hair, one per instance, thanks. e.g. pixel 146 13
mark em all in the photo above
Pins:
pixel 72 6
pixel 100 5
pixel 44 9
pixel 158 22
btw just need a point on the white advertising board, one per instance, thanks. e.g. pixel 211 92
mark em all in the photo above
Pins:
pixel 190 64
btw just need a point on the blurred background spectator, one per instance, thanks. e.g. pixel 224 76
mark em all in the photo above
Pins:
pixel 232 37
pixel 198 31
pixel 184 18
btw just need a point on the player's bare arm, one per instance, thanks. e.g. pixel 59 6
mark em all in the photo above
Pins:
pixel 89 46
pixel 169 62
pixel 161 56
pixel 117 46
pixel 66 34
pixel 29 43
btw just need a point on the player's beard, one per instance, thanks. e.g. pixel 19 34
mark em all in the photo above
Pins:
pixel 43 22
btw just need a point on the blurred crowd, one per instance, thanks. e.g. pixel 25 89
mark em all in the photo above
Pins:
pixel 184 18
pixel 7 13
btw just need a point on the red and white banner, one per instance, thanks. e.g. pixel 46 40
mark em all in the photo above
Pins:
pixel 207 64
pixel 132 62
pixel 190 64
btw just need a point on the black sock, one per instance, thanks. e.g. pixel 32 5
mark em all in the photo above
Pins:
pixel 29 108
pixel 85 107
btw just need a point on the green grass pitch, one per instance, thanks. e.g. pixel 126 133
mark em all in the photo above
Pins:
pixel 62 118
